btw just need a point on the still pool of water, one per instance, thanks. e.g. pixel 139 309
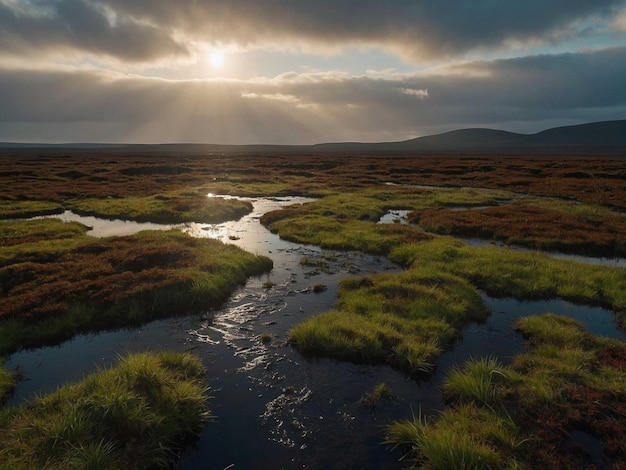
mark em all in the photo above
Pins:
pixel 272 407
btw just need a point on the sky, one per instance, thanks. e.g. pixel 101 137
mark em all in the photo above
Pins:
pixel 304 71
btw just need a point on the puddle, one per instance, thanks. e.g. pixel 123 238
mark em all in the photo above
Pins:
pixel 101 228
pixel 395 216
pixel 272 407
pixel 590 447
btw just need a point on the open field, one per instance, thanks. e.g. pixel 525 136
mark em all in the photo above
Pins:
pixel 56 281
pixel 59 176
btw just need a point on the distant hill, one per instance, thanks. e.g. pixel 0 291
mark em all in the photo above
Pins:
pixel 607 133
pixel 594 138
pixel 598 137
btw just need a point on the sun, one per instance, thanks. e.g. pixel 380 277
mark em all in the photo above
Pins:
pixel 216 58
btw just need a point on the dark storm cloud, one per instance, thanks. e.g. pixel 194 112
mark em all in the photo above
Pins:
pixel 314 107
pixel 421 28
pixel 80 25
pixel 146 29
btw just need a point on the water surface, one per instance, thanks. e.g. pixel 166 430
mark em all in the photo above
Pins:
pixel 272 407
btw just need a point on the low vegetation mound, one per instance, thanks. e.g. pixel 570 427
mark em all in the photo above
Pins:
pixel 344 233
pixel 530 414
pixel 56 281
pixel 522 275
pixel 138 415
pixel 405 320
pixel 171 208
pixel 534 227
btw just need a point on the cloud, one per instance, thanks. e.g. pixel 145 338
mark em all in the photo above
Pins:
pixel 80 26
pixel 146 30
pixel 421 94
pixel 619 23
pixel 523 94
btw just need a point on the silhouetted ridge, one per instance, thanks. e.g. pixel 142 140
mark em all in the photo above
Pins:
pixel 585 138
pixel 594 138
pixel 468 138
pixel 607 133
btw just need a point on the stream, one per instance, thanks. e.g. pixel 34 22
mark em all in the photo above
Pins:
pixel 273 408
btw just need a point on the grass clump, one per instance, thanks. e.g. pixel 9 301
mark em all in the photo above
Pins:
pixel 7 382
pixel 523 415
pixel 480 382
pixel 380 392
pixel 138 415
pixel 404 320
pixel 460 438
pixel 523 275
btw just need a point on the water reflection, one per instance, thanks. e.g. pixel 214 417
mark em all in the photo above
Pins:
pixel 227 232
pixel 247 232
pixel 274 408
pixel 395 216
pixel 98 227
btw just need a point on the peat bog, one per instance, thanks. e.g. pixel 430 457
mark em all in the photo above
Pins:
pixel 565 388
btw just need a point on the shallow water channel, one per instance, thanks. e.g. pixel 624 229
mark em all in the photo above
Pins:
pixel 272 407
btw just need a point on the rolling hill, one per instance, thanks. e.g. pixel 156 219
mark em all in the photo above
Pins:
pixel 593 138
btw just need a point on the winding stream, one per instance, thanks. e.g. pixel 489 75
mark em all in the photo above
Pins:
pixel 272 407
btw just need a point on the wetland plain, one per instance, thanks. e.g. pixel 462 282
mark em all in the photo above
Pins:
pixel 323 302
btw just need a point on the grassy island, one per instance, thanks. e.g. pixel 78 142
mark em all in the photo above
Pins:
pixel 529 414
pixel 140 414
pixel 407 319
pixel 57 282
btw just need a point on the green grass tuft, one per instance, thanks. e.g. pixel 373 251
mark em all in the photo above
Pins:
pixel 480 381
pixel 138 415
pixel 404 320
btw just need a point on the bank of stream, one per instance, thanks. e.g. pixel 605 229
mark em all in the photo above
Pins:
pixel 274 408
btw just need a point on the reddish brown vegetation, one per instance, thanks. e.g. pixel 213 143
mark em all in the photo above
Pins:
pixel 596 413
pixel 596 180
pixel 121 272
pixel 531 226
pixel 101 272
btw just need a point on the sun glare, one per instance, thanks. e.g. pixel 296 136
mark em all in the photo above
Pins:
pixel 216 58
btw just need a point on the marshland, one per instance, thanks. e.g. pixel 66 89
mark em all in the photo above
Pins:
pixel 279 309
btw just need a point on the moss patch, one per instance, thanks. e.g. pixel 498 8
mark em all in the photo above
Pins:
pixel 169 208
